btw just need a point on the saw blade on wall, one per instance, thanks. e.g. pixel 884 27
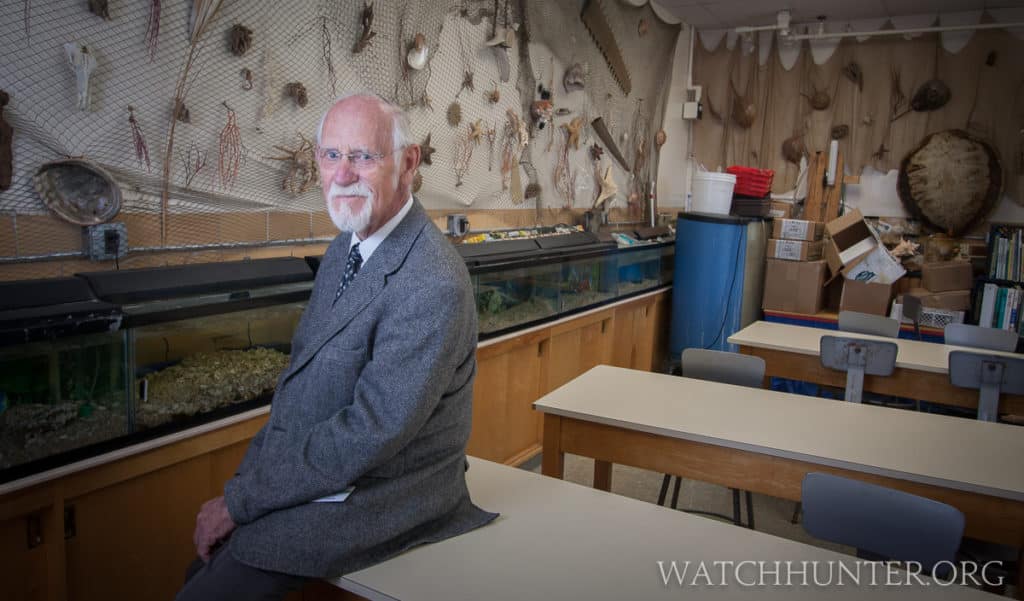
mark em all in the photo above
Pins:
pixel 594 19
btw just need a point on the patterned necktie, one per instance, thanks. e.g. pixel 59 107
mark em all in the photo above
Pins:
pixel 352 265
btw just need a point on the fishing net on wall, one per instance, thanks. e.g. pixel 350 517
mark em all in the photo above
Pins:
pixel 225 184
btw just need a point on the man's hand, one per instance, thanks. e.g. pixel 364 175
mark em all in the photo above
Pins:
pixel 213 525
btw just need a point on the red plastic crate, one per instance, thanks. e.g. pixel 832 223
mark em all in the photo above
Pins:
pixel 752 182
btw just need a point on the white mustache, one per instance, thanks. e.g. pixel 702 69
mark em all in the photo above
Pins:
pixel 356 189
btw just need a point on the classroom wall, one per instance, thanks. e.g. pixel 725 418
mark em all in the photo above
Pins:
pixel 210 215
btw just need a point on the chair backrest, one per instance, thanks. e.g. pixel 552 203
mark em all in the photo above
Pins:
pixel 912 311
pixel 857 357
pixel 993 339
pixel 724 367
pixel 991 375
pixel 885 522
pixel 866 323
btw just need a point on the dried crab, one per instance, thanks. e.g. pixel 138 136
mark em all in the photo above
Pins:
pixel 302 166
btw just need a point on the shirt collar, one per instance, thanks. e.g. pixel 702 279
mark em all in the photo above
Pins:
pixel 366 247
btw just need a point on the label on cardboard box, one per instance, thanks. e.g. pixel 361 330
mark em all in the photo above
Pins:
pixel 788 249
pixel 794 229
pixel 794 250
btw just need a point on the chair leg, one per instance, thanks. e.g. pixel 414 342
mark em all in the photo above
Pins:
pixel 750 510
pixel 675 492
pixel 736 507
pixel 664 489
pixel 796 513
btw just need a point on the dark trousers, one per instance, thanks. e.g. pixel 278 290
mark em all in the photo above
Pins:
pixel 225 578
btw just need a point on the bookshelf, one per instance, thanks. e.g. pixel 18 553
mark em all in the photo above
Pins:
pixel 999 296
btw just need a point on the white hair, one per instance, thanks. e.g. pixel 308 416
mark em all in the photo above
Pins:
pixel 401 132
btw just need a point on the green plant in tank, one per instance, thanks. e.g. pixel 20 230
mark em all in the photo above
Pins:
pixel 490 301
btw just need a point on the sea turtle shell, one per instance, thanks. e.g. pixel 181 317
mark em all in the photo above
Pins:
pixel 951 180
pixel 78 191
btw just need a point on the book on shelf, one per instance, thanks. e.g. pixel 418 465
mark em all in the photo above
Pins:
pixel 1001 307
pixel 1006 252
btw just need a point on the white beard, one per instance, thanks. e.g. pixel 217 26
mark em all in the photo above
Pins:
pixel 343 217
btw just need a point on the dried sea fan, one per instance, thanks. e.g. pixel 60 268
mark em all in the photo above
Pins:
pixel 239 39
pixel 454 114
pixel 297 92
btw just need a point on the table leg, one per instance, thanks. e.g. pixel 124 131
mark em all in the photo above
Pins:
pixel 552 458
pixel 602 475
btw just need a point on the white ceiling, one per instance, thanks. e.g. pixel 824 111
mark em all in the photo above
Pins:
pixel 715 14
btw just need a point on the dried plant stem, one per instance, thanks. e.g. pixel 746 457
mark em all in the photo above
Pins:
pixel 194 161
pixel 463 157
pixel 325 42
pixel 180 92
pixel 153 30
pixel 229 151
pixel 138 139
pixel 27 15
pixel 564 178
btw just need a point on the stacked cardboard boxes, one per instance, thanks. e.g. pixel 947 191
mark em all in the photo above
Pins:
pixel 867 269
pixel 795 273
pixel 859 267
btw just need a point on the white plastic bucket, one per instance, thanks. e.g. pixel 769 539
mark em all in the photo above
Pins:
pixel 712 192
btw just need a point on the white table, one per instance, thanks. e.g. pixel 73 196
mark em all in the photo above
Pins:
pixel 556 540
pixel 922 368
pixel 766 441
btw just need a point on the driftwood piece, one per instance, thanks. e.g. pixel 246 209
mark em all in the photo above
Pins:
pixel 950 181
pixel 594 19
pixel 609 142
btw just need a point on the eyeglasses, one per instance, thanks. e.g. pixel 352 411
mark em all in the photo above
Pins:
pixel 359 159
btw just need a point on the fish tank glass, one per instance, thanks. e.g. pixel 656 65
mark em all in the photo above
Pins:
pixel 639 269
pixel 104 360
pixel 589 281
pixel 516 296
pixel 60 395
pixel 204 366
pixel 668 262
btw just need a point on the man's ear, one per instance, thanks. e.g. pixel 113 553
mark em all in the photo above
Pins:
pixel 410 161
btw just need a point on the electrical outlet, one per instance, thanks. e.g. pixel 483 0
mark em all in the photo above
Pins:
pixel 106 241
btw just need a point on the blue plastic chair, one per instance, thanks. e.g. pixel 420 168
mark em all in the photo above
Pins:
pixel 881 523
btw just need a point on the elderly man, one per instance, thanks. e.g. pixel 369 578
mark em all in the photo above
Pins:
pixel 363 456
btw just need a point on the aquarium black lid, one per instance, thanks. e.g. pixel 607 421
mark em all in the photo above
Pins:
pixel 314 262
pixel 498 247
pixel 567 240
pixel 41 293
pixel 138 285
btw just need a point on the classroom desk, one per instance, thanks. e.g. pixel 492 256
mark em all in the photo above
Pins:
pixel 922 368
pixel 766 441
pixel 556 540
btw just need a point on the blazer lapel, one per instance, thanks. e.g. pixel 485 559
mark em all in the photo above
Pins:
pixel 330 318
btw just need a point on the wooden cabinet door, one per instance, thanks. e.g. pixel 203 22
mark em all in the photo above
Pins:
pixel 133 540
pixel 26 554
pixel 510 376
pixel 634 334
pixel 579 345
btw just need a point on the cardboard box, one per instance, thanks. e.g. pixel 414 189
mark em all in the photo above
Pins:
pixel 781 210
pixel 951 300
pixel 793 286
pixel 877 267
pixel 797 229
pixel 947 275
pixel 865 297
pixel 794 250
pixel 849 238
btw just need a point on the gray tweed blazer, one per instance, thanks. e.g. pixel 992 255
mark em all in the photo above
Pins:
pixel 378 395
